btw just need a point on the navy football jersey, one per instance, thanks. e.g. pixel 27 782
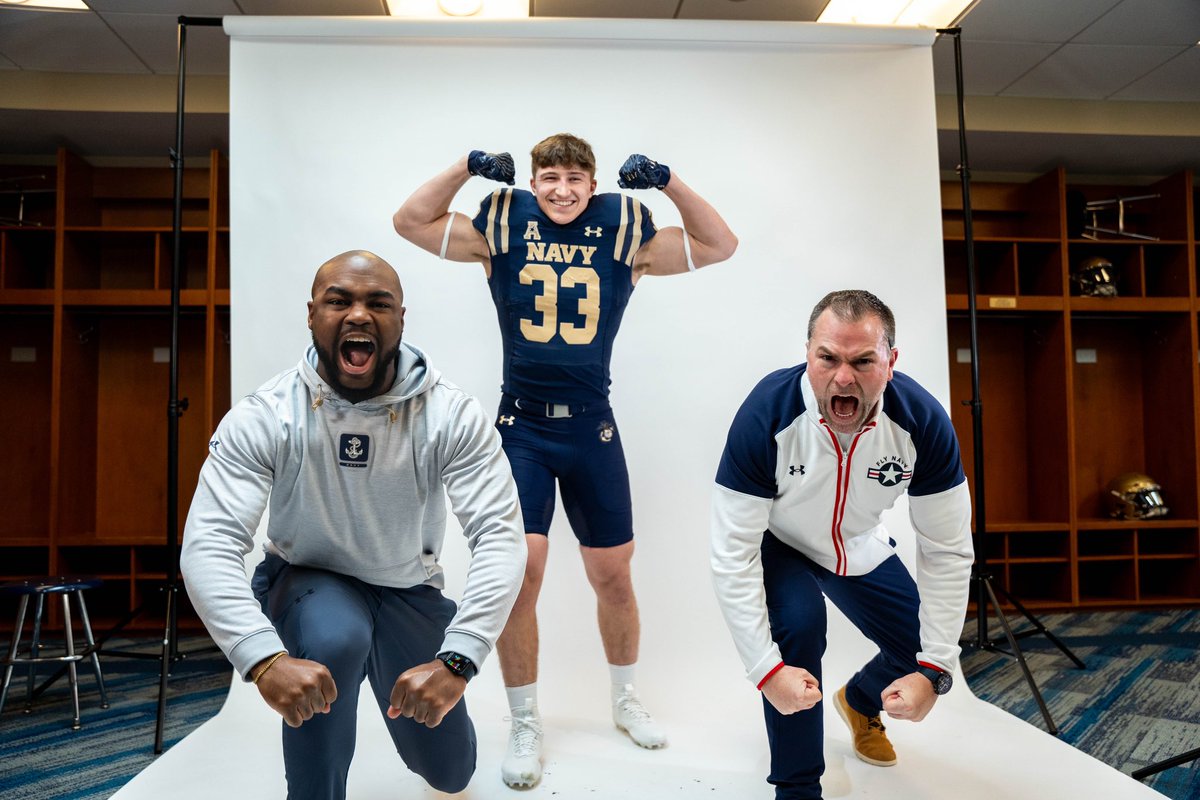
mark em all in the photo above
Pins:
pixel 560 290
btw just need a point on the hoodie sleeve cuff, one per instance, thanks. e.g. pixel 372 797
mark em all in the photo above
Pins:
pixel 465 644
pixel 253 649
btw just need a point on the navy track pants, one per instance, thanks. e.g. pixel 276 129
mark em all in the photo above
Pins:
pixel 882 604
pixel 359 630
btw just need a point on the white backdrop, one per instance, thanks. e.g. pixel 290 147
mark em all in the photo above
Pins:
pixel 817 145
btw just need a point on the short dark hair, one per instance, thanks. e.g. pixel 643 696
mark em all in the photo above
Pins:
pixel 563 150
pixel 851 305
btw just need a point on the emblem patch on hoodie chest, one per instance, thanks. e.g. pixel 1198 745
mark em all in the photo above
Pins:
pixel 354 450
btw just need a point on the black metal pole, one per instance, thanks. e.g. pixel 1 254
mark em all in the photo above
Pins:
pixel 175 405
pixel 976 402
pixel 1175 761
pixel 981 578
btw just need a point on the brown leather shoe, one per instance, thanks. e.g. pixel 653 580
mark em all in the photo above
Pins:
pixel 870 741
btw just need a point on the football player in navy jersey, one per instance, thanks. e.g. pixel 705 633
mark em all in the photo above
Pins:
pixel 561 263
pixel 815 455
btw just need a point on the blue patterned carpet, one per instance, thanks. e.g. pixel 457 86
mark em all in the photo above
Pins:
pixel 41 758
pixel 1138 701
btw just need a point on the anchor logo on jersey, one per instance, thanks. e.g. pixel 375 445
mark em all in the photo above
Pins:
pixel 596 231
pixel 531 231
pixel 506 420
pixel 354 450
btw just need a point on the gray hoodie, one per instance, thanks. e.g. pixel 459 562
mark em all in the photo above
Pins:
pixel 354 488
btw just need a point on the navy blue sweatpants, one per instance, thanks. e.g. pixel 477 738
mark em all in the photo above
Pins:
pixel 882 604
pixel 356 629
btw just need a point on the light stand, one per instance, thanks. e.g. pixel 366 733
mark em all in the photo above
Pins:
pixel 176 406
pixel 1174 761
pixel 983 585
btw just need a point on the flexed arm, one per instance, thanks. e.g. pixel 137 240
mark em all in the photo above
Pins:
pixel 704 239
pixel 425 218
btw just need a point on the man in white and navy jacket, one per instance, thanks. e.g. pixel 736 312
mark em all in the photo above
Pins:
pixel 815 455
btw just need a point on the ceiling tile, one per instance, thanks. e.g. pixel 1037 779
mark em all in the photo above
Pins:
pixel 63 42
pixel 1089 71
pixel 988 67
pixel 172 8
pixel 154 37
pixel 1178 80
pixel 319 8
pixel 1032 20
pixel 791 10
pixel 645 9
pixel 1158 22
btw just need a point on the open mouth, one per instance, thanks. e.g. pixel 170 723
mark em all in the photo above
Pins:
pixel 357 354
pixel 843 407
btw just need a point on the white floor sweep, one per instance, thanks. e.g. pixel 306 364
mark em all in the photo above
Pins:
pixel 965 749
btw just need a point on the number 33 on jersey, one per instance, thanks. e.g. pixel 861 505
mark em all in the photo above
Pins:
pixel 561 290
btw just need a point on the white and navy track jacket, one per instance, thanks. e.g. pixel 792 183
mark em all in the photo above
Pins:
pixel 785 471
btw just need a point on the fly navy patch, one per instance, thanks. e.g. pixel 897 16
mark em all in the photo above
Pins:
pixel 354 450
pixel 606 431
pixel 889 472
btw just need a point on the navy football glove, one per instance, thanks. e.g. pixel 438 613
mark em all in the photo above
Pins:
pixel 493 166
pixel 639 172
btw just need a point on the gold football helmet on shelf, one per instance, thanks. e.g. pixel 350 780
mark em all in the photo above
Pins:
pixel 1134 495
pixel 1095 277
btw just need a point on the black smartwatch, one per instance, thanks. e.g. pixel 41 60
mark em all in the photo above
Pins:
pixel 941 680
pixel 459 664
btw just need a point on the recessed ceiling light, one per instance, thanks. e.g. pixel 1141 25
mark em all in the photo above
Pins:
pixel 460 8
pixel 48 5
pixel 920 13
pixel 475 9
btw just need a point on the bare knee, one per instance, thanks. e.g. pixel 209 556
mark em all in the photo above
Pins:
pixel 535 571
pixel 609 573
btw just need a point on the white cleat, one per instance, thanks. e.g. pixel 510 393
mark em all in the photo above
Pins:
pixel 522 765
pixel 631 716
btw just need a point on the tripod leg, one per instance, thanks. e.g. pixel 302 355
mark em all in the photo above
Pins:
pixel 165 668
pixel 1066 651
pixel 1154 769
pixel 1017 654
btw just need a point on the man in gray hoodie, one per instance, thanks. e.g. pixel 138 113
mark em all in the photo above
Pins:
pixel 351 450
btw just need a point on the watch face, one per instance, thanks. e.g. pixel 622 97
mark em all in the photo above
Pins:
pixel 942 681
pixel 455 663
pixel 458 664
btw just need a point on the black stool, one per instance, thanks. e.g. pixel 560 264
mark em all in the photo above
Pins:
pixel 39 588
